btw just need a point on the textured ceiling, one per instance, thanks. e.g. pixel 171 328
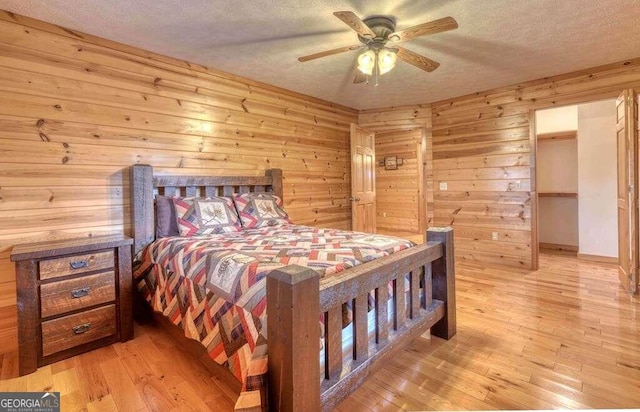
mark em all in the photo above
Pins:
pixel 498 42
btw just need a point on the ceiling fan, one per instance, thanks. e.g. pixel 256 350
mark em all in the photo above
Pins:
pixel 375 33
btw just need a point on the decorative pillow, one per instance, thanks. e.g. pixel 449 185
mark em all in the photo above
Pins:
pixel 260 210
pixel 205 216
pixel 166 224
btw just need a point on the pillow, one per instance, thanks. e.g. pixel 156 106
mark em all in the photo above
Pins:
pixel 260 210
pixel 205 216
pixel 166 224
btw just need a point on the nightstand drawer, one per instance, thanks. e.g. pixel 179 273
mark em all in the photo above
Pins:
pixel 67 295
pixel 74 330
pixel 72 265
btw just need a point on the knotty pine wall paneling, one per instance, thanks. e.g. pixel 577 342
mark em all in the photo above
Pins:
pixel 397 191
pixel 398 131
pixel 76 111
pixel 481 148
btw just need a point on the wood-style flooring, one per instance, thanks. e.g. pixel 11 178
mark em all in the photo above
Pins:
pixel 566 336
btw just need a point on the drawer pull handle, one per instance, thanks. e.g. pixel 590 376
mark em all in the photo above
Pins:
pixel 80 329
pixel 78 293
pixel 79 264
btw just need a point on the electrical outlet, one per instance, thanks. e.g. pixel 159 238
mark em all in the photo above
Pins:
pixel 384 214
pixel 443 185
pixel 494 235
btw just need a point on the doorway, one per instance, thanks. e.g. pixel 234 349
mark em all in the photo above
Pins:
pixel 401 181
pixel 576 180
pixel 399 185
pixel 627 131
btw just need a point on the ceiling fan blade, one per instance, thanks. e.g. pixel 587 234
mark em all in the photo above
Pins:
pixel 417 60
pixel 432 27
pixel 329 52
pixel 355 23
pixel 360 77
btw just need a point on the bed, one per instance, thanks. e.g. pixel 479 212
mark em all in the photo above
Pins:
pixel 391 300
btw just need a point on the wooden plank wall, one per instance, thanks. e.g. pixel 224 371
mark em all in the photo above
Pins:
pixel 399 124
pixel 481 148
pixel 76 111
pixel 397 191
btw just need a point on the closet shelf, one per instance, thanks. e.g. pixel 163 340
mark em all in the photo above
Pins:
pixel 555 136
pixel 558 194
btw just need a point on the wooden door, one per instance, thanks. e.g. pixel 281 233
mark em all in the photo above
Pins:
pixel 627 136
pixel 363 180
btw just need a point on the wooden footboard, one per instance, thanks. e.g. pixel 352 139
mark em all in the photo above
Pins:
pixel 296 298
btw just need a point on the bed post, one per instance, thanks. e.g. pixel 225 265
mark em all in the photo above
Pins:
pixel 142 219
pixel 293 339
pixel 276 181
pixel 443 275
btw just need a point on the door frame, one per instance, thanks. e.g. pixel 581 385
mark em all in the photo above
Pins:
pixel 533 148
pixel 423 189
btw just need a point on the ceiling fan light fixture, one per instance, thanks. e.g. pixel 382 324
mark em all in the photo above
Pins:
pixel 386 60
pixel 367 62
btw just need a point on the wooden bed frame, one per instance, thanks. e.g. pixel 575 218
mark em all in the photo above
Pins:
pixel 296 296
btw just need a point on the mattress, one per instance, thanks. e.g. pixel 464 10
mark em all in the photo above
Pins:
pixel 214 286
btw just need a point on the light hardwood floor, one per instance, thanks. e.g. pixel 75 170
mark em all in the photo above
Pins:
pixel 565 336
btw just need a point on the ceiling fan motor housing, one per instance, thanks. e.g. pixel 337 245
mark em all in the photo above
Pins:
pixel 382 26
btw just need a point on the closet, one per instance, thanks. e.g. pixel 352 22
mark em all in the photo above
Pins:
pixel 576 166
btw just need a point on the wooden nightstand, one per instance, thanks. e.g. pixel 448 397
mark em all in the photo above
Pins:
pixel 73 296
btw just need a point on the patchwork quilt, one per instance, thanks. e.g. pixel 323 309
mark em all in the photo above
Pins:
pixel 214 286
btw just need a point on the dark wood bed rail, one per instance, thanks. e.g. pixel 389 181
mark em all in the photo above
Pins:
pixel 144 185
pixel 296 296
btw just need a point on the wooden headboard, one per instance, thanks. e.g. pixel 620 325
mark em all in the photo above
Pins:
pixel 144 185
